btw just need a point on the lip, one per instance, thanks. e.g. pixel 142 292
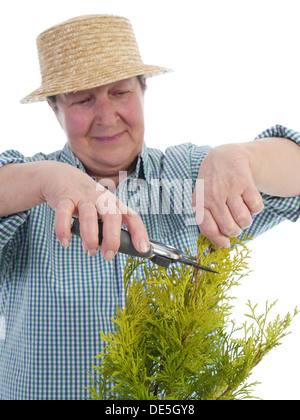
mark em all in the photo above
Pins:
pixel 109 139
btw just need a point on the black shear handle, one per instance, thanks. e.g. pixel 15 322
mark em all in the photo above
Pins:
pixel 126 245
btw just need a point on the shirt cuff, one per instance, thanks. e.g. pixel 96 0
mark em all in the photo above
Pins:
pixel 282 208
pixel 280 131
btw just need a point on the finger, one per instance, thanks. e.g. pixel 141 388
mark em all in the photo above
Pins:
pixel 107 203
pixel 137 230
pixel 223 218
pixel 210 229
pixel 239 211
pixel 107 207
pixel 114 213
pixel 88 221
pixel 62 221
pixel 253 200
pixel 111 235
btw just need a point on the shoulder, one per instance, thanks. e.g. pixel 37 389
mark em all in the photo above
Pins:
pixel 180 160
pixel 15 156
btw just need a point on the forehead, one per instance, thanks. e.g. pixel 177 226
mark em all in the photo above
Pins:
pixel 125 83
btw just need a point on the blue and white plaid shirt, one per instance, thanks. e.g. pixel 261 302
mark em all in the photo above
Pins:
pixel 54 301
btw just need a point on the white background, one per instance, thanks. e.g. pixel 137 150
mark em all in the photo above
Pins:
pixel 236 73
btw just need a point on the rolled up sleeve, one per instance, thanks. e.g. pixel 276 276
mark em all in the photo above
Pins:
pixel 280 131
pixel 9 226
pixel 277 209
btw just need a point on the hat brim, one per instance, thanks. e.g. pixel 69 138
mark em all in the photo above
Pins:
pixel 95 80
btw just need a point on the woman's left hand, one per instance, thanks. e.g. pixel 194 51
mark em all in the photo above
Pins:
pixel 230 194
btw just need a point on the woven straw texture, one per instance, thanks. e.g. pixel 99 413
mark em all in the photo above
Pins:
pixel 86 52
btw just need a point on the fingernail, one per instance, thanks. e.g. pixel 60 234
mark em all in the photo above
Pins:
pixel 109 255
pixel 84 247
pixel 255 214
pixel 65 242
pixel 227 245
pixel 144 246
pixel 92 252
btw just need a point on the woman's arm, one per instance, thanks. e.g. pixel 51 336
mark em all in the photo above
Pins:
pixel 69 192
pixel 235 174
pixel 275 166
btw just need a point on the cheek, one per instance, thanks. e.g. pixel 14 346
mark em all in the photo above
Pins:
pixel 135 116
pixel 76 127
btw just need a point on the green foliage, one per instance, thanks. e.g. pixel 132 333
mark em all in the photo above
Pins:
pixel 175 340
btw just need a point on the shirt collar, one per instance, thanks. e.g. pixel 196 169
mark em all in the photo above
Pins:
pixel 69 157
pixel 142 169
pixel 142 166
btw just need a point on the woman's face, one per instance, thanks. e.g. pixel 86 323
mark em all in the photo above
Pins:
pixel 104 126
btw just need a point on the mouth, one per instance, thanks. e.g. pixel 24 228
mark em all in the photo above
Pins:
pixel 109 139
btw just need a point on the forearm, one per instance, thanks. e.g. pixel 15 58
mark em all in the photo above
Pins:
pixel 235 175
pixel 275 166
pixel 20 187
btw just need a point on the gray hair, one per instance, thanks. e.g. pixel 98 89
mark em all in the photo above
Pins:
pixel 141 79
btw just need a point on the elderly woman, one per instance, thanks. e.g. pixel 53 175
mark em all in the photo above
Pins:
pixel 54 299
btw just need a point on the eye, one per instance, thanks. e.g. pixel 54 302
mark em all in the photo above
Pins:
pixel 121 92
pixel 82 101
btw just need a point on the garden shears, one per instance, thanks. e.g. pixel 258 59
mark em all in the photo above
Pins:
pixel 159 253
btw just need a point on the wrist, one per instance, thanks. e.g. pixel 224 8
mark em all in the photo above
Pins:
pixel 274 164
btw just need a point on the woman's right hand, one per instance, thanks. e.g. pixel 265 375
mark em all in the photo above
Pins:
pixel 70 192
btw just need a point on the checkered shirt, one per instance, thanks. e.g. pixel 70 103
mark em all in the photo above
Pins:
pixel 54 301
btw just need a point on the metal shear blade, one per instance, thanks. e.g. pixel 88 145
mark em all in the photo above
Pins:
pixel 186 259
pixel 164 255
pixel 159 253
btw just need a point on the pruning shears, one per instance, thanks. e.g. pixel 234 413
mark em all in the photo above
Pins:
pixel 159 253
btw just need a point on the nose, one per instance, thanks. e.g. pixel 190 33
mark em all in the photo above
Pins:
pixel 105 112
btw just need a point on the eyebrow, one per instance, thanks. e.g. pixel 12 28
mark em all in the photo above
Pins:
pixel 118 84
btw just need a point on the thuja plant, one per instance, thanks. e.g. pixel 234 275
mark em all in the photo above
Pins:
pixel 176 340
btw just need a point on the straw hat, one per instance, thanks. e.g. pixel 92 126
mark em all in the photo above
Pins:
pixel 87 52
